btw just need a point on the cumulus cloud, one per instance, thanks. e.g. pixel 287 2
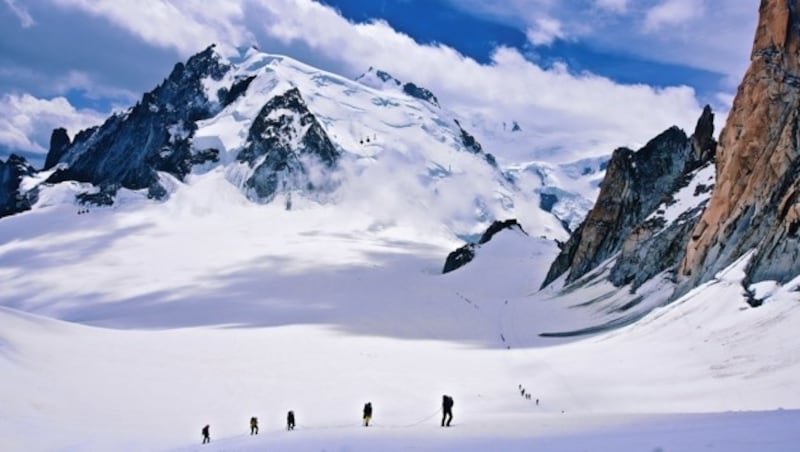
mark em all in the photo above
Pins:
pixel 618 6
pixel 714 37
pixel 545 31
pixel 671 13
pixel 26 122
pixel 181 24
pixel 25 19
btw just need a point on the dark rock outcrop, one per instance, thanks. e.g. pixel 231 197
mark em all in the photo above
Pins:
pixel 283 141
pixel 12 199
pixel 154 135
pixel 756 203
pixel 59 143
pixel 466 253
pixel 472 145
pixel 420 93
pixel 239 87
pixel 103 197
pixel 409 88
pixel 635 184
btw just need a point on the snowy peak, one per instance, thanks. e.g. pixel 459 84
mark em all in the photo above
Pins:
pixel 155 135
pixel 283 141
pixel 274 127
pixel 379 79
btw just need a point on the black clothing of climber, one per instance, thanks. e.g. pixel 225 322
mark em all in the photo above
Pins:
pixel 367 413
pixel 290 420
pixel 447 410
pixel 254 425
pixel 206 434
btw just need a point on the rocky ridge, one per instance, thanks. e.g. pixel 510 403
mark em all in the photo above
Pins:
pixel 12 199
pixel 636 183
pixel 756 203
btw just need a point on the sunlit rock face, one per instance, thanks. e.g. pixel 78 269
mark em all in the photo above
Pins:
pixel 756 203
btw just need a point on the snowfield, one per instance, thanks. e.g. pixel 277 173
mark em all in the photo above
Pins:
pixel 131 327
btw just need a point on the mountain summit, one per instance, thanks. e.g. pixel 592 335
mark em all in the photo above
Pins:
pixel 282 131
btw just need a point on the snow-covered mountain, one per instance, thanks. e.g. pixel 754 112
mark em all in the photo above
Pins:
pixel 282 131
pixel 257 236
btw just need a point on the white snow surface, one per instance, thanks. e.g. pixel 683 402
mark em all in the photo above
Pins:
pixel 131 327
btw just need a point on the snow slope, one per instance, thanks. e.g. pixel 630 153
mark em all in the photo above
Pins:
pixel 131 327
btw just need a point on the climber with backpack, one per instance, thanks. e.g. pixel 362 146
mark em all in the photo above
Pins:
pixel 367 413
pixel 447 410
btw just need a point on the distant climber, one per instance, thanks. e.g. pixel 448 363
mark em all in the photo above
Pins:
pixel 254 425
pixel 206 434
pixel 290 420
pixel 447 410
pixel 367 413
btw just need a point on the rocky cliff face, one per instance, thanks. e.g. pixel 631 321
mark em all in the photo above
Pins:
pixel 59 143
pixel 12 199
pixel 155 135
pixel 756 203
pixel 284 140
pixel 635 185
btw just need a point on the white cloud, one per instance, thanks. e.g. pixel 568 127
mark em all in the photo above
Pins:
pixel 544 32
pixel 25 19
pixel 617 6
pixel 672 12
pixel 184 25
pixel 26 122
pixel 715 38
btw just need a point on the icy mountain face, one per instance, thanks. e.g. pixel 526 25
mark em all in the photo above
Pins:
pixel 628 216
pixel 12 199
pixel 566 190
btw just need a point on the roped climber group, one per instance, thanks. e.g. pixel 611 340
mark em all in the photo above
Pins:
pixel 447 418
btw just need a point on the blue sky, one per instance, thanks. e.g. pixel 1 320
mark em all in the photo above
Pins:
pixel 476 36
pixel 580 74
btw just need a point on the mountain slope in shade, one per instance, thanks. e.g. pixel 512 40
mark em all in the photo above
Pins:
pixel 636 190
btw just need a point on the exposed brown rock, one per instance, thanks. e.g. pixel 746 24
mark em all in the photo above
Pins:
pixel 755 204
